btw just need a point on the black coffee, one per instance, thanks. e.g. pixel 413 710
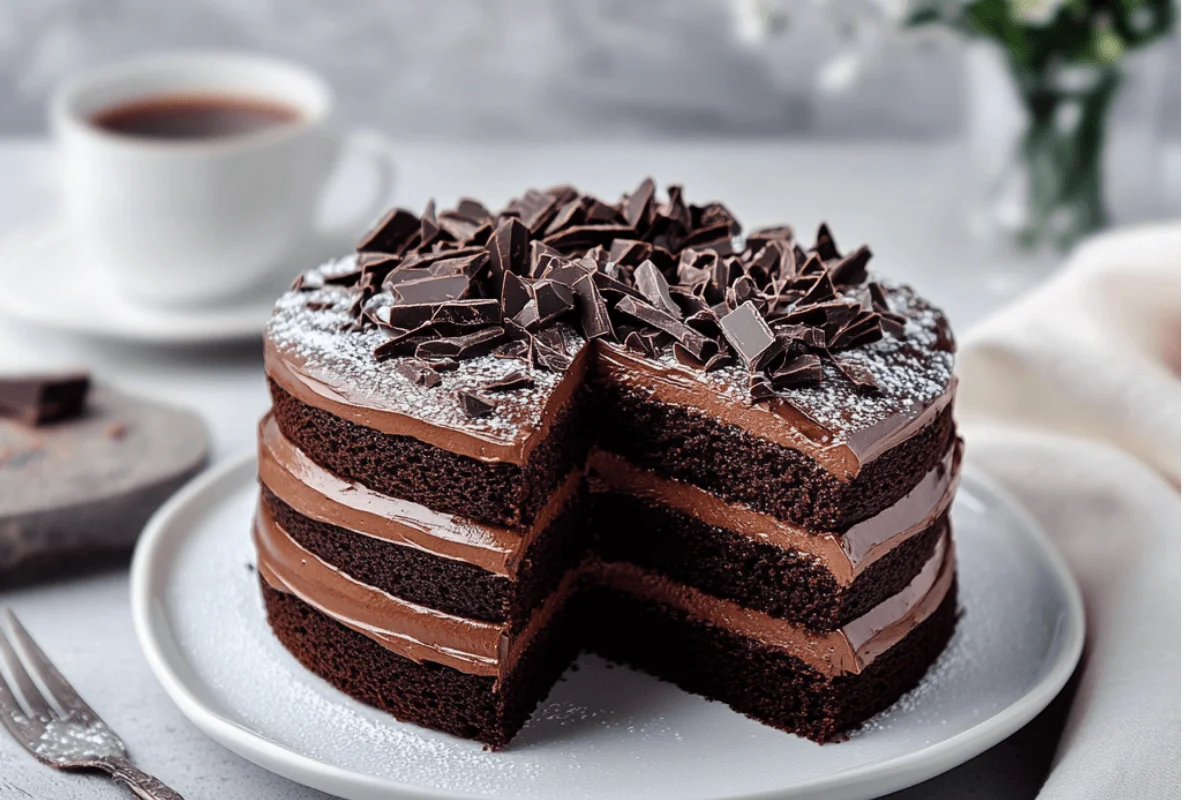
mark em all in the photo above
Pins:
pixel 194 116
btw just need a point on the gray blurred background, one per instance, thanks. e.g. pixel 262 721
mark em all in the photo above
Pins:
pixel 548 70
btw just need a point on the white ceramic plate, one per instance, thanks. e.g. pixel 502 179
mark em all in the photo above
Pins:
pixel 49 282
pixel 605 732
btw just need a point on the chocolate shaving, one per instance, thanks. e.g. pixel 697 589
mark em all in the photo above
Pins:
pixel 419 373
pixel 514 295
pixel 721 360
pixel 593 315
pixel 474 405
pixel 760 388
pixel 825 246
pixel 510 382
pixel 392 234
pixel 465 346
pixel 431 290
pixel 852 269
pixel 640 205
pixel 472 209
pixel 694 342
pixel 582 237
pixel 405 344
pixel 308 280
pixel 549 347
pixel 857 374
pixel 864 328
pixel 750 336
pixel 508 251
pixel 640 343
pixel 653 286
pixel 803 369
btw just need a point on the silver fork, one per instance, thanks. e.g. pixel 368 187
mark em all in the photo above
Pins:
pixel 64 733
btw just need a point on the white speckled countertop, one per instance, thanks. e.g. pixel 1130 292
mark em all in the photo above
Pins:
pixel 901 198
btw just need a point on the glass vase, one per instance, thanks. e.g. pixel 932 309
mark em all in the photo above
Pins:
pixel 1037 140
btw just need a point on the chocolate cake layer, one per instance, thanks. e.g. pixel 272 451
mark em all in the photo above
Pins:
pixel 689 446
pixel 758 680
pixel 429 694
pixel 499 493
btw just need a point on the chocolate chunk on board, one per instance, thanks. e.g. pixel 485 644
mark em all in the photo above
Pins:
pixel 42 398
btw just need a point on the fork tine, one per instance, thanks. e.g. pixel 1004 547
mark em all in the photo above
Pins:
pixel 34 700
pixel 13 716
pixel 64 693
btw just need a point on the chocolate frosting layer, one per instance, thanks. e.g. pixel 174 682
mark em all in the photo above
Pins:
pixel 320 365
pixel 845 554
pixel 321 495
pixel 413 631
pixel 485 648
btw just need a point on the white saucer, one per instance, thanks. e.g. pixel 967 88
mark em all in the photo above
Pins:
pixel 604 732
pixel 49 282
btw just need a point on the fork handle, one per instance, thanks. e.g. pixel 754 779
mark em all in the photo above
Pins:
pixel 143 785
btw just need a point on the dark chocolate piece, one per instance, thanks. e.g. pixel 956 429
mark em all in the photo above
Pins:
pixel 392 234
pixel 653 286
pixel 803 369
pixel 466 346
pixel 508 251
pixel 419 373
pixel 514 295
pixel 510 382
pixel 750 336
pixel 475 405
pixel 693 341
pixel 825 246
pixel 581 237
pixel 431 290
pixel 852 269
pixel 857 374
pixel 760 388
pixel 594 316
pixel 48 397
pixel 640 206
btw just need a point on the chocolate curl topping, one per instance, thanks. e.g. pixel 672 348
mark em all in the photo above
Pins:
pixel 659 278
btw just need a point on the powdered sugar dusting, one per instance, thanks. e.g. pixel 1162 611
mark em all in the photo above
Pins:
pixel 303 328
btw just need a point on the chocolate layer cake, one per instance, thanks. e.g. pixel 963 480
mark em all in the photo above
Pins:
pixel 500 438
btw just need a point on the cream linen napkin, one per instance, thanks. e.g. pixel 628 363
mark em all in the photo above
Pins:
pixel 1071 398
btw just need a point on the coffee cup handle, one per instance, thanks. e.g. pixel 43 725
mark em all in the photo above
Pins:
pixel 378 151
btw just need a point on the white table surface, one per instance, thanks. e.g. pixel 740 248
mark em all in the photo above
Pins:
pixel 904 200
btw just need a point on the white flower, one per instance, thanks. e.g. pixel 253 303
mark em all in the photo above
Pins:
pixel 840 73
pixel 1037 12
pixel 755 20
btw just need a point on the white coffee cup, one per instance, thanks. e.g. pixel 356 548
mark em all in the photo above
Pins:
pixel 192 221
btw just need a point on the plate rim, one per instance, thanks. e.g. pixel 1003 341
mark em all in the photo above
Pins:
pixel 890 775
pixel 182 326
